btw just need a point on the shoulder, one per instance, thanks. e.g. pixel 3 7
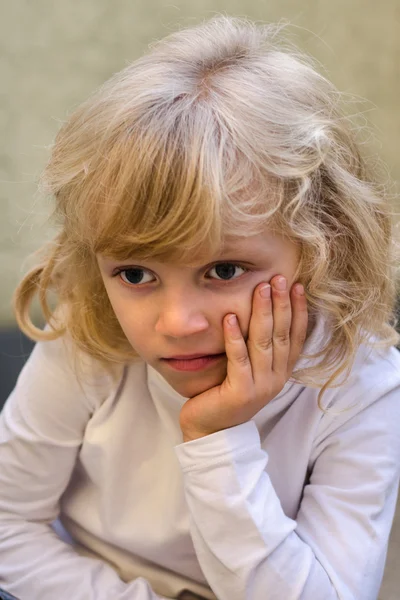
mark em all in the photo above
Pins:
pixel 59 366
pixel 375 372
pixel 50 402
pixel 369 401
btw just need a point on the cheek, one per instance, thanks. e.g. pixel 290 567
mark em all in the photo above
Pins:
pixel 119 308
pixel 129 318
pixel 136 331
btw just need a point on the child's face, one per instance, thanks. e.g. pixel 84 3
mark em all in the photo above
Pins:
pixel 168 309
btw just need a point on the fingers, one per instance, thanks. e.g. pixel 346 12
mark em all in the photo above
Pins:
pixel 260 345
pixel 239 369
pixel 282 318
pixel 277 332
pixel 298 330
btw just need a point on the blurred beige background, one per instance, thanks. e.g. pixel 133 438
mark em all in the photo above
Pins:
pixel 55 53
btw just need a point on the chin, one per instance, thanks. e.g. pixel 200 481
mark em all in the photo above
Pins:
pixel 195 386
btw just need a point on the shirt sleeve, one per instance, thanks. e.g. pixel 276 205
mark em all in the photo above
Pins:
pixel 336 548
pixel 41 429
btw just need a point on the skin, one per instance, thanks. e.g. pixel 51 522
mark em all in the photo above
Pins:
pixel 176 309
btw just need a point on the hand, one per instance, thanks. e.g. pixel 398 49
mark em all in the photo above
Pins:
pixel 256 372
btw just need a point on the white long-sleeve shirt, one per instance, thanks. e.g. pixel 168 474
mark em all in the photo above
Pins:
pixel 294 504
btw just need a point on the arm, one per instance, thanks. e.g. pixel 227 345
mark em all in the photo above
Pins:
pixel 41 428
pixel 336 548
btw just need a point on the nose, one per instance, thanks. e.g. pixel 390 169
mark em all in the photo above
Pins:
pixel 181 316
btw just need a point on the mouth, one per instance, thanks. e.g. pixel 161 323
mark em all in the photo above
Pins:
pixel 197 363
pixel 190 356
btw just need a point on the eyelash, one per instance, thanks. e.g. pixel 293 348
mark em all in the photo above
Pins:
pixel 123 269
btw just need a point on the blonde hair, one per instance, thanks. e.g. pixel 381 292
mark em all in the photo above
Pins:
pixel 222 128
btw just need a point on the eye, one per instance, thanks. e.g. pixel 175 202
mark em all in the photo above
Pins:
pixel 226 270
pixel 132 276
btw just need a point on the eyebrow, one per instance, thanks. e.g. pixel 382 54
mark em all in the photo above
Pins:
pixel 229 254
pixel 133 257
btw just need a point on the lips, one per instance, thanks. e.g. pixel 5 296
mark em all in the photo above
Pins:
pixel 191 365
pixel 191 356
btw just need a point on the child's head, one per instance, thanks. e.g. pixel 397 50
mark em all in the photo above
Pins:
pixel 221 132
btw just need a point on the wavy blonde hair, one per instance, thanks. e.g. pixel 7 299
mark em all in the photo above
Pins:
pixel 222 128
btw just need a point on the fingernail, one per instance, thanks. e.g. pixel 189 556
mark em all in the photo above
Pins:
pixel 232 320
pixel 299 289
pixel 280 284
pixel 265 291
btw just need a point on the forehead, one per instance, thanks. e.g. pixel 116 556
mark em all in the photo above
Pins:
pixel 253 246
pixel 260 241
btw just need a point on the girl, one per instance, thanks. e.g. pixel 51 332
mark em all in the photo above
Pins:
pixel 155 447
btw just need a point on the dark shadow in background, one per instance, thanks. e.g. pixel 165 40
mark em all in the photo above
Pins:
pixel 15 349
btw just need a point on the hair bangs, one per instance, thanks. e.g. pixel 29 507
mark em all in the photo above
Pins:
pixel 170 186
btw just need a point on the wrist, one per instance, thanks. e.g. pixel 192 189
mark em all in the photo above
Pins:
pixel 193 435
pixel 190 432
